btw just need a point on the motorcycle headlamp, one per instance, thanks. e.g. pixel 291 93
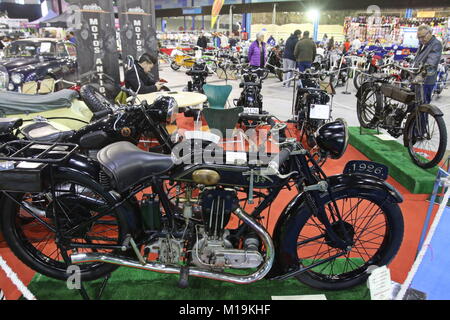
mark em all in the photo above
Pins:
pixel 17 78
pixel 333 137
pixel 167 108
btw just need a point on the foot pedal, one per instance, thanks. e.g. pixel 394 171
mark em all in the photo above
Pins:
pixel 183 282
pixel 126 243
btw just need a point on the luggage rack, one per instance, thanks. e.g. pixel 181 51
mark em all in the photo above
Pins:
pixel 29 151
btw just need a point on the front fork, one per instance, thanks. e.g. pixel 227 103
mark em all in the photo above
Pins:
pixel 318 210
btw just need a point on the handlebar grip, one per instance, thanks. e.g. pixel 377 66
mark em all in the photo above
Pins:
pixel 102 113
pixel 271 122
pixel 280 159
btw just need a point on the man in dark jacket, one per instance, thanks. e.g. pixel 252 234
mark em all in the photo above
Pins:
pixel 288 56
pixel 202 41
pixel 305 52
pixel 141 83
pixel 429 53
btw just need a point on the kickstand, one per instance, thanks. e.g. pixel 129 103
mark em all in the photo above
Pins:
pixel 183 282
pixel 85 295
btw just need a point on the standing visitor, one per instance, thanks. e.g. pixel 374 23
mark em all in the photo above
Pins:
pixel 289 61
pixel 202 41
pixel 429 53
pixel 305 52
pixel 356 44
pixel 257 52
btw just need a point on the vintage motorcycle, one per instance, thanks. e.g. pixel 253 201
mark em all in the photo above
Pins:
pixel 199 72
pixel 251 84
pixel 163 213
pixel 116 123
pixel 400 109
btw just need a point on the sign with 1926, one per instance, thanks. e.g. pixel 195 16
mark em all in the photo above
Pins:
pixel 367 167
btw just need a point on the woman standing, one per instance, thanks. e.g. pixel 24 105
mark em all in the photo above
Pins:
pixel 257 53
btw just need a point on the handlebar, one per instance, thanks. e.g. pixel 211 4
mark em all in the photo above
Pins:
pixel 280 159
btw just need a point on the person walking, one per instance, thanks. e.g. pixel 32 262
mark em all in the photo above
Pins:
pixel 257 53
pixel 429 54
pixel 289 61
pixel 305 52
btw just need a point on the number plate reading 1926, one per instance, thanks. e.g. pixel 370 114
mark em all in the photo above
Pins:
pixel 367 167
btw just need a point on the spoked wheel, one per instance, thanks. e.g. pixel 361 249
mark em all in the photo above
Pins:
pixel 33 240
pixel 367 105
pixel 426 138
pixel 359 79
pixel 372 225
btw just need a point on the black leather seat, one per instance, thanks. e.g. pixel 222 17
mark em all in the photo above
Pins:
pixel 45 132
pixel 7 124
pixel 127 165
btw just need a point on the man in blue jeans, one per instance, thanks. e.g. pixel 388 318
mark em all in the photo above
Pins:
pixel 305 52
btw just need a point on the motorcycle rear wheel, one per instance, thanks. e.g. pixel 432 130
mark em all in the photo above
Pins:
pixel 34 244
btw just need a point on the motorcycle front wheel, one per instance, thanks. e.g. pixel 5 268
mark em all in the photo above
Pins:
pixel 374 225
pixel 426 138
pixel 34 241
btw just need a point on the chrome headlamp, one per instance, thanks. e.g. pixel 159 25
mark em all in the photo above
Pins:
pixel 17 78
pixel 333 137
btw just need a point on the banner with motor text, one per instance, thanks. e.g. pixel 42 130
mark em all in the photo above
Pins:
pixel 137 29
pixel 97 54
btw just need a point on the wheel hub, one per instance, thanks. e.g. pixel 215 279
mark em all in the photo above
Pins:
pixel 344 231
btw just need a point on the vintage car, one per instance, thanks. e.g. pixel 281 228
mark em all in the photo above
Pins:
pixel 38 65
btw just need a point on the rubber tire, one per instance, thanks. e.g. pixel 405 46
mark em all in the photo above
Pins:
pixel 394 224
pixel 356 80
pixel 14 243
pixel 93 99
pixel 359 111
pixel 442 143
pixel 174 66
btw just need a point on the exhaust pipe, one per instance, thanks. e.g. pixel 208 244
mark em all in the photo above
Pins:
pixel 196 272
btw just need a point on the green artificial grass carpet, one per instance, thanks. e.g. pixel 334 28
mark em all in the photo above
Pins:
pixel 134 284
pixel 394 155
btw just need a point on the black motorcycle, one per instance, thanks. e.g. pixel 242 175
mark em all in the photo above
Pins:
pixel 123 123
pixel 274 63
pixel 251 98
pixel 327 237
pixel 400 109
pixel 199 72
pixel 312 108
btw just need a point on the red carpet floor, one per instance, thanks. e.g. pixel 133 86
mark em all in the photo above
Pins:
pixel 414 210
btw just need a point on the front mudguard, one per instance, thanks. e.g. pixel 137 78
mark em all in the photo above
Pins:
pixel 285 252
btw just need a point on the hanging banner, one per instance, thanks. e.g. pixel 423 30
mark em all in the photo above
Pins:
pixel 137 29
pixel 426 14
pixel 97 54
pixel 217 6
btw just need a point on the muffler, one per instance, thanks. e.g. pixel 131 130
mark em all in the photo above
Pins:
pixel 196 272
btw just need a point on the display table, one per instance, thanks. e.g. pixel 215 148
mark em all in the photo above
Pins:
pixel 184 99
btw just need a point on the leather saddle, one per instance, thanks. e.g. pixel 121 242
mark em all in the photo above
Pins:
pixel 7 125
pixel 126 165
pixel 45 132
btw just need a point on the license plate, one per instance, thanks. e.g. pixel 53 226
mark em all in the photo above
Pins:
pixel 367 167
pixel 251 110
pixel 320 111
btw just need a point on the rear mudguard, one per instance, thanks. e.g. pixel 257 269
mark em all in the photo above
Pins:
pixel 285 254
pixel 432 109
pixel 88 167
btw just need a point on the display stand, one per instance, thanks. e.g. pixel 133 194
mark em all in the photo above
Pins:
pixel 429 273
